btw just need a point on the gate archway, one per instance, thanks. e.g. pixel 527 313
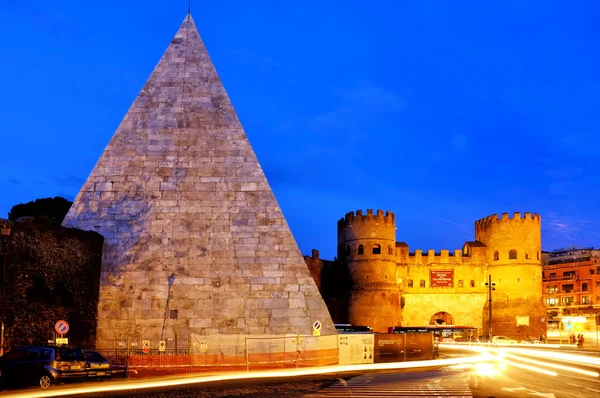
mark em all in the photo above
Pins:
pixel 441 318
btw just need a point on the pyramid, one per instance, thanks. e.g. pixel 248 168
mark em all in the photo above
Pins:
pixel 195 241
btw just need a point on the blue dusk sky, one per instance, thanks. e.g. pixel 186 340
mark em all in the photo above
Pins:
pixel 443 112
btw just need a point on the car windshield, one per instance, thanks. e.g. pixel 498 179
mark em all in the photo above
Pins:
pixel 69 354
pixel 94 356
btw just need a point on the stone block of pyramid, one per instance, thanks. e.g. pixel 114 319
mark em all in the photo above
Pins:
pixel 195 241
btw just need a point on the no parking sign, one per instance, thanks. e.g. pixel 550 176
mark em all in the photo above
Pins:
pixel 61 327
pixel 317 328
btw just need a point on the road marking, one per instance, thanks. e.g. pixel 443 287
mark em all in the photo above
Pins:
pixel 396 385
pixel 515 389
pixel 573 384
pixel 591 389
pixel 529 392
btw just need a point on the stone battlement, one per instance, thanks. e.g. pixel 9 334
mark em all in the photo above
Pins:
pixel 350 218
pixel 433 253
pixel 504 218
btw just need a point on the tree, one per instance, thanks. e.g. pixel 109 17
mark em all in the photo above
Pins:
pixel 52 210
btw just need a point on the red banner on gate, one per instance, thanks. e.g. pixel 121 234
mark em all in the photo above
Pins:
pixel 441 278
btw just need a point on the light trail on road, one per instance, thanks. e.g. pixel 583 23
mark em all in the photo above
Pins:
pixel 183 380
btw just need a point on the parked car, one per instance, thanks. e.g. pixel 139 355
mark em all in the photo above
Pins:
pixel 502 340
pixel 531 340
pixel 97 364
pixel 42 365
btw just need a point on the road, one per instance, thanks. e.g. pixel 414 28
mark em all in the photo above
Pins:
pixel 508 373
pixel 529 373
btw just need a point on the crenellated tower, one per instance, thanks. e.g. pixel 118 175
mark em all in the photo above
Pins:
pixel 366 246
pixel 514 263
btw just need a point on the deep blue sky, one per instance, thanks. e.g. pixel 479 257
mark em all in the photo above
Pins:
pixel 442 112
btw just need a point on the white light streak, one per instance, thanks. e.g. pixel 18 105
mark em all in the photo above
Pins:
pixel 522 366
pixel 554 366
pixel 183 380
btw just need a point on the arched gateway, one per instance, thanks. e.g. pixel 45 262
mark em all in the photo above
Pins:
pixel 441 318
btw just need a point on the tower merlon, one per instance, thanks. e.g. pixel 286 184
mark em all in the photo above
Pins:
pixel 504 217
pixel 358 216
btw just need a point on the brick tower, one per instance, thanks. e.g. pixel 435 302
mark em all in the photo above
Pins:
pixel 514 263
pixel 366 245
pixel 195 241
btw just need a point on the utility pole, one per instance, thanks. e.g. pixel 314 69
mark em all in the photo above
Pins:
pixel 491 286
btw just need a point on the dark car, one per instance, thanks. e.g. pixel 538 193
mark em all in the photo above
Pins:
pixel 42 365
pixel 100 367
pixel 97 365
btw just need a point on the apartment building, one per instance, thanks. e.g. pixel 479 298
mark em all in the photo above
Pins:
pixel 571 287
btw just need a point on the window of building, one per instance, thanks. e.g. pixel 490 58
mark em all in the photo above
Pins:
pixel 472 283
pixel 422 283
pixel 552 301
pixel 591 271
pixel 173 314
pixel 552 275
pixel 567 300
pixel 376 249
pixel 597 284
pixel 586 300
pixel 569 274
pixel 390 250
pixel 526 255
pixel 552 288
pixel 410 283
pixel 361 249
pixel 460 283
pixel 367 276
pixel 496 256
pixel 584 287
pixel 512 255
pixel 568 288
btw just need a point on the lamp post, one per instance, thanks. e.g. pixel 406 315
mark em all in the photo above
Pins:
pixel 491 286
pixel 4 230
pixel 171 280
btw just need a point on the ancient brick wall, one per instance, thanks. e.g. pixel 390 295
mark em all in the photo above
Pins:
pixel 333 281
pixel 51 273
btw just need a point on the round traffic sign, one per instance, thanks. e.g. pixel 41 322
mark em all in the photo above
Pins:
pixel 61 327
pixel 317 325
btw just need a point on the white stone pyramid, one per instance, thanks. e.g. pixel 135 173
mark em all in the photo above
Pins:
pixel 178 192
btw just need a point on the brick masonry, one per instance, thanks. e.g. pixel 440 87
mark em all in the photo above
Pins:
pixel 179 191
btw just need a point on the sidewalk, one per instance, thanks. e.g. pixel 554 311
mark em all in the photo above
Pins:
pixel 591 342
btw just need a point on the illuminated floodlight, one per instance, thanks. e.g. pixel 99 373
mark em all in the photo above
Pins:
pixel 574 319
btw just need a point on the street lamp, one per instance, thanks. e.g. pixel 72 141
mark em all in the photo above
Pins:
pixel 4 230
pixel 170 280
pixel 491 286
